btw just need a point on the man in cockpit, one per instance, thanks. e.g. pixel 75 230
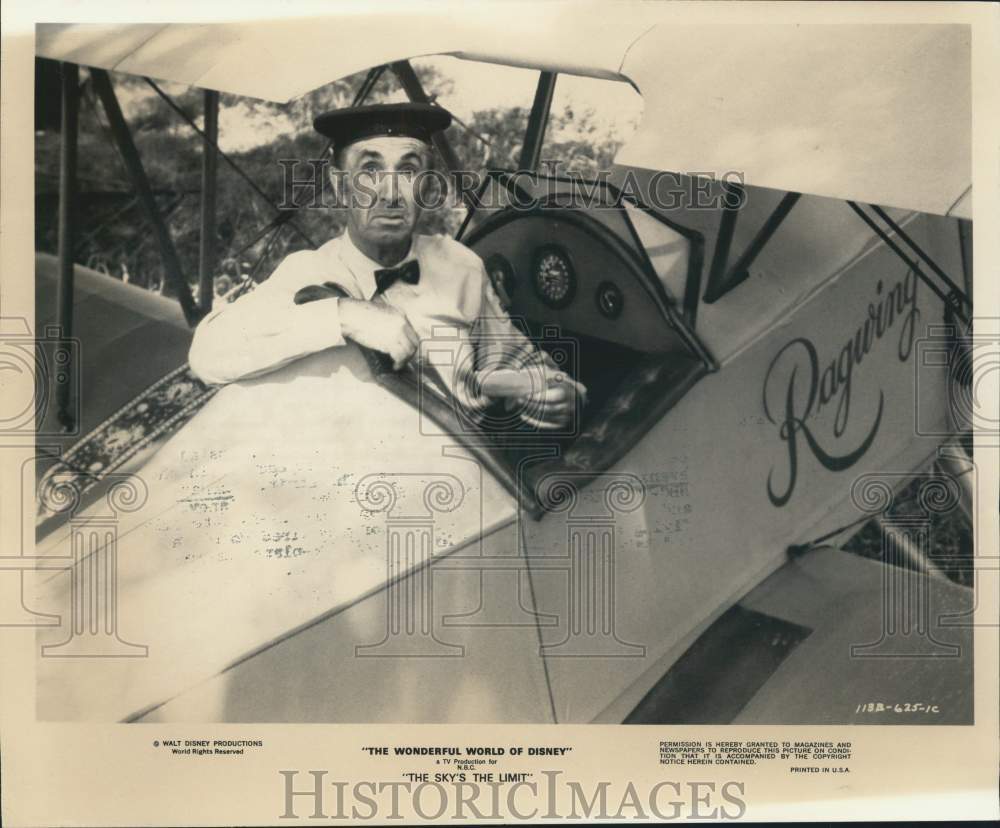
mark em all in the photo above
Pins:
pixel 382 286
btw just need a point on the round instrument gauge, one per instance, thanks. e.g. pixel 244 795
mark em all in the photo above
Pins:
pixel 610 300
pixel 501 274
pixel 555 281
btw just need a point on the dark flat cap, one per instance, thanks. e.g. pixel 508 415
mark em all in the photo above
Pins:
pixel 413 120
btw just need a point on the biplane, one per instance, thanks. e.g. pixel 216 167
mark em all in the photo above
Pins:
pixel 766 371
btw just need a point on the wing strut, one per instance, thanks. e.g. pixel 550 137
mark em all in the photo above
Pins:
pixel 721 279
pixel 67 232
pixel 415 92
pixel 537 121
pixel 209 188
pixel 130 155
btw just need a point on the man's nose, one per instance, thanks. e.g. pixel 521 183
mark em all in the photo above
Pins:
pixel 388 190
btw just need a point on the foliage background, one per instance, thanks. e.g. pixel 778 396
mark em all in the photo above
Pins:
pixel 114 235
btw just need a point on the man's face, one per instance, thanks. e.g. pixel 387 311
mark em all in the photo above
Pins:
pixel 379 186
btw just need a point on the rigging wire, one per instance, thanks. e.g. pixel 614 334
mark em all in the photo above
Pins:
pixel 267 249
pixel 956 290
pixel 278 220
pixel 949 302
pixel 236 168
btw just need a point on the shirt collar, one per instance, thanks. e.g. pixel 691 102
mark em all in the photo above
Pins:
pixel 364 268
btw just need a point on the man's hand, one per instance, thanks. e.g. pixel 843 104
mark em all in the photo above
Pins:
pixel 380 327
pixel 553 406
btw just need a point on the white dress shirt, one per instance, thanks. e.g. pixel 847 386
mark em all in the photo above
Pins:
pixel 453 309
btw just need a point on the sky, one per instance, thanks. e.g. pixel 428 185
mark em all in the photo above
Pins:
pixel 616 106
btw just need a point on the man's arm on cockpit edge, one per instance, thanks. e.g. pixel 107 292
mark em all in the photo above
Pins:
pixel 264 329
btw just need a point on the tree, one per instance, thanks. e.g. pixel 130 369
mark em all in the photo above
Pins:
pixel 114 232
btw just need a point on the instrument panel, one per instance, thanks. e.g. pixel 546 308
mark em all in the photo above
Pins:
pixel 563 268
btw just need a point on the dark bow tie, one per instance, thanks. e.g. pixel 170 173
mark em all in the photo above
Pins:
pixel 409 272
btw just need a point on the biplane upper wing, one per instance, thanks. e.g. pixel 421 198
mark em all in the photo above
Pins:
pixel 279 60
pixel 878 114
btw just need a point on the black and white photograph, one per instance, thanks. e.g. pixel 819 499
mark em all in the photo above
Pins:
pixel 502 365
